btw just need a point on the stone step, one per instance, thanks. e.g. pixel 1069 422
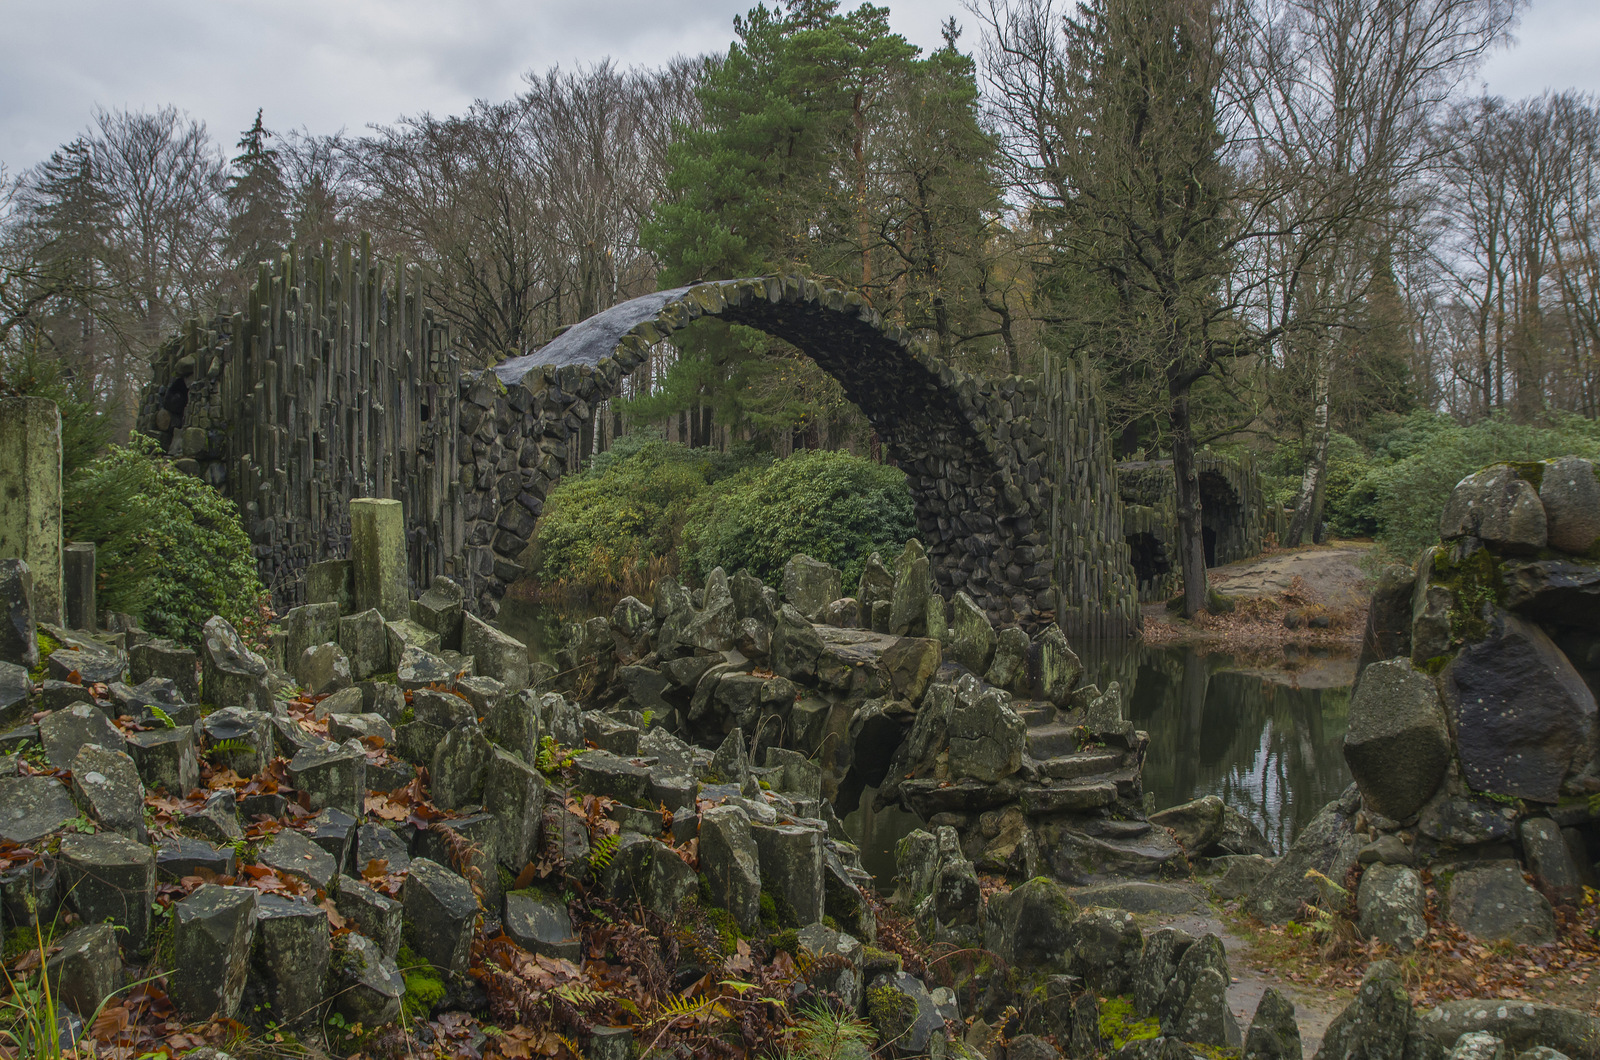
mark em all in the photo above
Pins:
pixel 1069 798
pixel 1037 715
pixel 1082 764
pixel 1052 741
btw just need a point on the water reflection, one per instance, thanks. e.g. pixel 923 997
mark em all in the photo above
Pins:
pixel 1265 738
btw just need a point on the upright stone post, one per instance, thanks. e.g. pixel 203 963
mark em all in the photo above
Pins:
pixel 30 496
pixel 77 576
pixel 378 553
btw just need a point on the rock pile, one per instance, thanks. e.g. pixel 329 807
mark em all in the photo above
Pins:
pixel 1473 735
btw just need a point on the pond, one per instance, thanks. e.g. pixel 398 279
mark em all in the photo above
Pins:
pixel 1264 734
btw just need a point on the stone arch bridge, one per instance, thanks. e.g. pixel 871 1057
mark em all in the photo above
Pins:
pixel 337 382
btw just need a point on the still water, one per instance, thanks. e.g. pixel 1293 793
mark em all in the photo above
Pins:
pixel 1264 735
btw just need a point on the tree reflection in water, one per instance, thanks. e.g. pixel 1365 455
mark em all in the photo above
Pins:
pixel 1268 748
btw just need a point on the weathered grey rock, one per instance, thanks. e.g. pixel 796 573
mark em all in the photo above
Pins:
pixel 289 961
pixel 987 738
pixel 1465 821
pixel 795 645
pixel 335 832
pixel 1396 742
pixel 611 734
pixel 291 852
pixel 514 793
pixel 603 773
pixel 903 1014
pixel 439 912
pixel 439 611
pixel 212 933
pixel 1498 507
pixel 540 923
pixel 843 613
pixel 1478 1045
pixel 957 897
pixel 1571 498
pixel 1240 836
pixel 911 663
pixel 106 785
pixel 1388 630
pixel 972 638
pixel 1031 925
pixel 169 660
pixel 89 663
pixel 19 643
pixel 1374 1026
pixel 647 871
pixel 87 968
pixel 713 628
pixel 371 730
pixel 375 842
pixel 1056 667
pixel 1542 1052
pixel 366 987
pixel 1104 715
pixel 110 877
pixel 166 759
pixel 365 642
pixel 1274 1034
pixel 459 764
pixel 791 862
pixel 1548 858
pixel 731 863
pixel 444 709
pixel 1196 825
pixel 1194 1007
pixel 1520 1024
pixel 66 732
pixel 1386 850
pixel 333 774
pixel 1523 717
pixel 15 686
pixel 876 586
pixel 405 634
pixel 323 669
pixel 499 656
pixel 513 723
pixel 810 585
pixel 1329 844
pixel 217 820
pixel 1154 1049
pixel 1392 906
pixel 913 585
pixel 843 980
pixel 1155 967
pixel 53 694
pixel 231 674
pixel 180 857
pixel 372 913
pixel 1492 902
pixel 1105 945
pixel 307 626
pixel 1432 628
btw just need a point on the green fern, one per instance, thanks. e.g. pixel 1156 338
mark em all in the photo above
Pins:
pixel 603 850
pixel 160 715
pixel 233 745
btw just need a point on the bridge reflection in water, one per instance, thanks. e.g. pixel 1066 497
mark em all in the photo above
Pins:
pixel 1265 737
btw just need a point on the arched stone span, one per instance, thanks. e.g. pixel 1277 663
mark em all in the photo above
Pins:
pixel 974 455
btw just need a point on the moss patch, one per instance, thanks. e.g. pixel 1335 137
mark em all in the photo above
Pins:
pixel 424 985
pixel 1529 471
pixel 1475 584
pixel 1120 1023
pixel 891 1012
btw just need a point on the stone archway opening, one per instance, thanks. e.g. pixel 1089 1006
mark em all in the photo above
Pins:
pixel 1151 560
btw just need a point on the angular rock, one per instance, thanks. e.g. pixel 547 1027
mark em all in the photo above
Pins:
pixel 731 863
pixel 841 978
pixel 370 912
pixel 1194 1007
pixel 1571 498
pixel 1106 945
pixel 15 687
pixel 1545 851
pixel 1009 668
pixel 1196 825
pixel 439 912
pixel 972 638
pixel 1498 507
pixel 513 723
pixel 377 843
pixel 323 669
pixel 810 585
pixel 292 853
pixel 217 819
pixel 1465 821
pixel 1493 903
pixel 1056 666
pixel 212 932
pixel 1523 717
pixel 986 736
pixel 89 664
pixel 169 660
pixel 1274 1034
pixel 335 832
pixel 289 961
pixel 110 877
pixel 514 794
pixel 1375 1025
pixel 1155 968
pixel 404 635
pixel 903 1013
pixel 540 923
pixel 1031 925
pixel 1478 1045
pixel 66 732
pixel 497 655
pixel 231 674
pixel 366 987
pixel 1392 906
pixel 332 775
pixel 86 970
pixel 364 639
pixel 19 643
pixel 1329 844
pixel 459 763
pixel 166 759
pixel 913 585
pixel 439 611
pixel 370 730
pixel 791 861
pixel 911 663
pixel 795 645
pixel 1520 1024
pixel 1388 631
pixel 646 871
pixel 106 784
pixel 180 857
pixel 1396 742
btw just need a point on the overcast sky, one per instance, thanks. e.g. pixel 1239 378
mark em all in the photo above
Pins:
pixel 332 64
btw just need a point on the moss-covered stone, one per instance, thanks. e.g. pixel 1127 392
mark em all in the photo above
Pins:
pixel 1120 1023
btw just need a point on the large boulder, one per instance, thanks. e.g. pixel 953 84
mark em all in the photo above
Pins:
pixel 1392 905
pixel 1498 507
pixel 1520 1024
pixel 1571 498
pixel 1492 902
pixel 1376 1024
pixel 1523 717
pixel 231 674
pixel 972 638
pixel 1396 741
pixel 1388 631
pixel 809 585
pixel 987 737
pixel 913 588
pixel 1031 925
pixel 19 644
pixel 1329 844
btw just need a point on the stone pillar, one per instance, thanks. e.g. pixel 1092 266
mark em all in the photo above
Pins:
pixel 30 496
pixel 378 554
pixel 77 577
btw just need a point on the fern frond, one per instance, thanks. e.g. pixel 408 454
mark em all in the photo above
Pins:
pixel 602 851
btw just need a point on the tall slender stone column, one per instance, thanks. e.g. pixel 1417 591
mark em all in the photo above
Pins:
pixel 30 496
pixel 378 553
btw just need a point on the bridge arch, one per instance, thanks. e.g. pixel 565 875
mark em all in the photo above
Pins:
pixel 973 455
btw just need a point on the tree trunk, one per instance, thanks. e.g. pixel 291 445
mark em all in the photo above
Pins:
pixel 1191 542
pixel 1308 505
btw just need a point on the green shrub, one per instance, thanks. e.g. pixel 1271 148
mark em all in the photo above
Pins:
pixel 624 514
pixel 169 549
pixel 833 506
pixel 85 418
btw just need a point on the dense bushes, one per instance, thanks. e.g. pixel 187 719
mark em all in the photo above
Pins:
pixel 833 506
pixel 648 508
pixel 1396 488
pixel 169 549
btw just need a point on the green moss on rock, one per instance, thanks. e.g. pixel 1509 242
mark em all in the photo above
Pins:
pixel 1120 1023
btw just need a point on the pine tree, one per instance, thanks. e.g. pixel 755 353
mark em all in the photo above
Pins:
pixel 257 202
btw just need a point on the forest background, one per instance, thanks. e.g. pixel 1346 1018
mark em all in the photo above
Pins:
pixel 1288 228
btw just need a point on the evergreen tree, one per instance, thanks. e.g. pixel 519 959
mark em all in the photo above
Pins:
pixel 257 200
